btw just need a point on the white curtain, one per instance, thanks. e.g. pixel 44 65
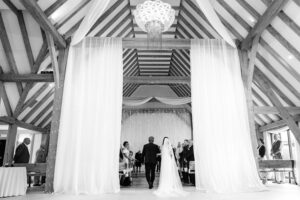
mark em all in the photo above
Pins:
pixel 207 8
pixel 94 12
pixel 296 154
pixel 137 127
pixel 136 101
pixel 90 126
pixel 222 144
pixel 174 101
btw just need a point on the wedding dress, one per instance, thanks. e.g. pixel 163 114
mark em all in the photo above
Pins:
pixel 169 181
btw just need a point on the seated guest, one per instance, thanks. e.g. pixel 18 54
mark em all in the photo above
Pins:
pixel 262 152
pixel 22 154
pixel 41 156
pixel 276 153
pixel 138 161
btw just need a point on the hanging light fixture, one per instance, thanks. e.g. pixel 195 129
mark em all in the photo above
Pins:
pixel 154 17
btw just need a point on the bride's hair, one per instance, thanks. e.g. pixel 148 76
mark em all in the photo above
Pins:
pixel 164 140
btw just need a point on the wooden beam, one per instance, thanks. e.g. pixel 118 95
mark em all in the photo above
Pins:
pixel 274 110
pixel 247 73
pixel 27 77
pixel 136 79
pixel 14 121
pixel 4 97
pixel 53 56
pixel 58 95
pixel 265 86
pixel 157 80
pixel 8 52
pixel 263 22
pixel 10 144
pixel 277 125
pixel 141 43
pixel 38 14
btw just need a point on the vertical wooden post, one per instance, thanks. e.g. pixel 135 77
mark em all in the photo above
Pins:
pixel 58 95
pixel 10 144
pixel 248 92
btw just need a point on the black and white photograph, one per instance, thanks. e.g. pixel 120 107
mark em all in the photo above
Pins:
pixel 150 99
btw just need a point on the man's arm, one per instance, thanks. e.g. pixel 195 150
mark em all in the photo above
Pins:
pixel 143 154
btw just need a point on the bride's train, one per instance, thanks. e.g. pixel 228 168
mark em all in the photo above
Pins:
pixel 169 181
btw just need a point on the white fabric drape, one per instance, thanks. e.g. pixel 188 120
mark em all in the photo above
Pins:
pixel 97 8
pixel 90 126
pixel 13 181
pixel 174 101
pixel 136 101
pixel 207 8
pixel 223 153
pixel 296 154
pixel 140 125
pixel 94 12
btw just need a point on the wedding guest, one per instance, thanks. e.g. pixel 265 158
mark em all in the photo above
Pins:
pixel 178 151
pixel 262 152
pixel 41 156
pixel 125 152
pixel 191 161
pixel 22 154
pixel 261 148
pixel 138 161
pixel 131 160
pixel 184 161
pixel 277 155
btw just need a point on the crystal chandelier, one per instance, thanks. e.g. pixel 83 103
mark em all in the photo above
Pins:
pixel 154 17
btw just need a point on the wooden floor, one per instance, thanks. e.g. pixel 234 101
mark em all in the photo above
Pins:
pixel 139 191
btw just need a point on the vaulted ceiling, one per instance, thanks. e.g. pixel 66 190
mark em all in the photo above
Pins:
pixel 278 56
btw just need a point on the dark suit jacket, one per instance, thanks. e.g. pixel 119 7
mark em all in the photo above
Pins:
pixel 150 152
pixel 22 154
pixel 190 154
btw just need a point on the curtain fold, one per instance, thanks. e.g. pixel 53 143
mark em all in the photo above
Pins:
pixel 207 8
pixel 94 12
pixel 174 101
pixel 136 101
pixel 90 126
pixel 223 152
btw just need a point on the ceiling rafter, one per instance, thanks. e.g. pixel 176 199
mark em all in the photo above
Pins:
pixel 263 22
pixel 33 8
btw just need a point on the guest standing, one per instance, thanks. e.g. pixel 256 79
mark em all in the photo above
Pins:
pixel 277 155
pixel 138 161
pixel 191 162
pixel 41 156
pixel 183 157
pixel 262 152
pixel 22 154
pixel 126 153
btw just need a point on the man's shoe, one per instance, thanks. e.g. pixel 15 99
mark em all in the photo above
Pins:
pixel 151 185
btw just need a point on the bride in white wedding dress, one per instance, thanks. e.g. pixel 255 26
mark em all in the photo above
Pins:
pixel 169 181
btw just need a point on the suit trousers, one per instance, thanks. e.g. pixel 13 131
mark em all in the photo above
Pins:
pixel 150 172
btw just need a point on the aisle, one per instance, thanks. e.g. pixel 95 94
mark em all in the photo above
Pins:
pixel 139 191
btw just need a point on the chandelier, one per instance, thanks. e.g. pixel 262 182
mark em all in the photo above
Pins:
pixel 154 17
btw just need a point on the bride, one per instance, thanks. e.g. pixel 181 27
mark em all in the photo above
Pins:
pixel 169 181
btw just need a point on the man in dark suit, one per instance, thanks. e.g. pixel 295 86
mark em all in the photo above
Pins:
pixel 149 154
pixel 22 154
